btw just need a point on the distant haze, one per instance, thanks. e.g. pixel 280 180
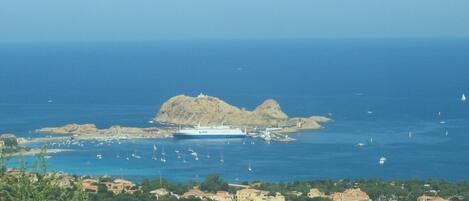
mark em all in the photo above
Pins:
pixel 143 20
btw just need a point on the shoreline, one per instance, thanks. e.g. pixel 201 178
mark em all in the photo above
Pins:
pixel 35 151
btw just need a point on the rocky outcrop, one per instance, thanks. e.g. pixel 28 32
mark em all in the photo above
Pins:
pixel 208 110
pixel 71 129
pixel 270 109
pixel 91 129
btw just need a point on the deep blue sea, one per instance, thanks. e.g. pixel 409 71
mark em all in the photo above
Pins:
pixel 404 82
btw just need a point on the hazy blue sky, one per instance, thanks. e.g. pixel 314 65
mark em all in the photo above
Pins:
pixel 115 20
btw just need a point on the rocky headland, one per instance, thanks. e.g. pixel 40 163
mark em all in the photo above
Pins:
pixel 208 110
pixel 84 131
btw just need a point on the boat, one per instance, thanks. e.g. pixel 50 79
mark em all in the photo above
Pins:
pixel 382 160
pixel 360 144
pixel 410 134
pixel 153 157
pixel 210 132
pixel 249 168
pixel 99 156
pixel 446 133
pixel 463 97
pixel 369 112
pixel 222 161
pixel 151 122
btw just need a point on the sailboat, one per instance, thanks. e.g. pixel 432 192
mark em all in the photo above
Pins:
pixel 134 155
pixel 153 157
pixel 249 168
pixel 463 97
pixel 222 161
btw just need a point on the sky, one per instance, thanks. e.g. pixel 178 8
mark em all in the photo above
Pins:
pixel 146 20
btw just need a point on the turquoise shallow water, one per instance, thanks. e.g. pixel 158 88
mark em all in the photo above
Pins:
pixel 405 83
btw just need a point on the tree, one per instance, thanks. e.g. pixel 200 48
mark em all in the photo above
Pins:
pixel 214 183
pixel 41 161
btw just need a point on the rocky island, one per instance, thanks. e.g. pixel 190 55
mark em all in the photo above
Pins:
pixel 209 110
pixel 205 110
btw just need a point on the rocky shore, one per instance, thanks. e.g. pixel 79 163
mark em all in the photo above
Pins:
pixel 35 151
pixel 208 110
pixel 90 131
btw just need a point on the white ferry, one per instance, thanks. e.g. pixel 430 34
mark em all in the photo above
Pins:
pixel 210 132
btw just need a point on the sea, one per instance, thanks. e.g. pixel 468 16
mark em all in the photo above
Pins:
pixel 376 90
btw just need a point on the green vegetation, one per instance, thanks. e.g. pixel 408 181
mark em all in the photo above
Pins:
pixel 378 189
pixel 214 183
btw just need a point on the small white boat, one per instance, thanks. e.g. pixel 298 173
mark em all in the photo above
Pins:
pixel 360 144
pixel 99 156
pixel 50 101
pixel 151 122
pixel 163 160
pixel 463 98
pixel 249 168
pixel 410 134
pixel 446 133
pixel 382 160
pixel 369 112
pixel 371 140
pixel 442 122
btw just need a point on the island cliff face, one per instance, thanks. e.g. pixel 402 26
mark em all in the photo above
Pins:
pixel 208 110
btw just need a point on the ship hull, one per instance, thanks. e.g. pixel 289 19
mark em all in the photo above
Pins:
pixel 185 135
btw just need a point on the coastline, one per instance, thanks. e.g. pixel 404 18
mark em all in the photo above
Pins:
pixel 35 151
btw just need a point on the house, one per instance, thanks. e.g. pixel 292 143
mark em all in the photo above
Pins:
pixel 7 136
pixel 350 195
pixel 161 192
pixel 314 193
pixel 195 192
pixel 18 173
pixel 90 185
pixel 257 195
pixel 218 196
pixel 222 196
pixel 431 198
pixel 121 186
